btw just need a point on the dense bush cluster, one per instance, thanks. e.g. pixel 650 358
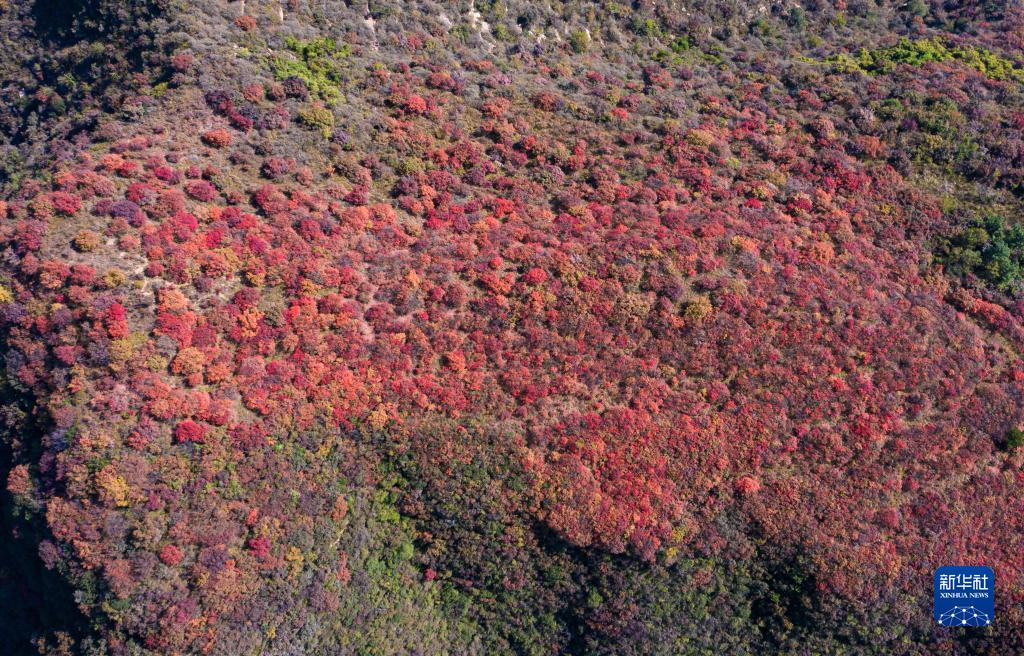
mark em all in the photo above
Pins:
pixel 988 249
pixel 509 328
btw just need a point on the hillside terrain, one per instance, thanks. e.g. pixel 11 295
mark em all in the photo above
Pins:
pixel 506 327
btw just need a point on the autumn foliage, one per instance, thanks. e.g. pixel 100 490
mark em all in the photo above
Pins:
pixel 674 312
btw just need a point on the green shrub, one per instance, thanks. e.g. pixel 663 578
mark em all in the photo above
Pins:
pixel 797 18
pixel 987 249
pixel 646 26
pixel 681 44
pixel 315 63
pixel 318 117
pixel 1014 439
pixel 922 51
pixel 579 40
